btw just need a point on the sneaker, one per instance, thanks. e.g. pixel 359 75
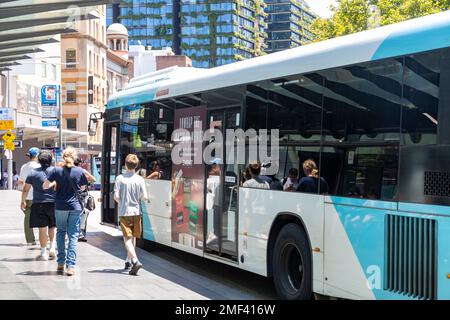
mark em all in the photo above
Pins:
pixel 42 256
pixel 70 272
pixel 128 265
pixel 135 268
pixel 30 244
pixel 82 239
pixel 52 254
pixel 211 238
pixel 60 268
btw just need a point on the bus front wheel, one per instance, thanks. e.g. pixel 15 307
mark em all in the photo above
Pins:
pixel 292 274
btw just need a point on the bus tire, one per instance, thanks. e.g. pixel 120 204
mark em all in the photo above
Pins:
pixel 291 261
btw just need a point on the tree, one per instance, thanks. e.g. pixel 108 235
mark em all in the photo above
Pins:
pixel 351 16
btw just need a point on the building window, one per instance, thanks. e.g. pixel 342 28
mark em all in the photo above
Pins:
pixel 71 59
pixel 71 123
pixel 71 93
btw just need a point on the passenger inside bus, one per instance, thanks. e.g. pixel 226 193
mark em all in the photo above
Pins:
pixel 256 181
pixel 156 172
pixel 312 183
pixel 290 183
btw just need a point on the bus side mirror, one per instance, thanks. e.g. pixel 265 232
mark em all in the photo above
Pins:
pixel 93 123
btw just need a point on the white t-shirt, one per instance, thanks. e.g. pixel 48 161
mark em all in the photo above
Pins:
pixel 252 183
pixel 25 171
pixel 130 189
pixel 212 196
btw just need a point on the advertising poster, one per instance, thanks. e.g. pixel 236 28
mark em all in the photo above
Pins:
pixel 28 98
pixel 188 182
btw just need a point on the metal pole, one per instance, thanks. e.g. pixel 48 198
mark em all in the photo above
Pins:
pixel 10 160
pixel 10 173
pixel 60 117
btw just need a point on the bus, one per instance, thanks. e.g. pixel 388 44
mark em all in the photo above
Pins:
pixel 372 109
pixel 96 166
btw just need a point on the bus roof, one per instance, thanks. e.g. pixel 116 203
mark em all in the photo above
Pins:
pixel 416 35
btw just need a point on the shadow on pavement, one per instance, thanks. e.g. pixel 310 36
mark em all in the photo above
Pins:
pixel 252 285
pixel 18 260
pixel 19 245
pixel 39 273
pixel 117 271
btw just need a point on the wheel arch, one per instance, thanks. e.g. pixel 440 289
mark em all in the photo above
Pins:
pixel 282 219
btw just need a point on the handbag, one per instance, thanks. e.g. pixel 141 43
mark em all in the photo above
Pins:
pixel 89 202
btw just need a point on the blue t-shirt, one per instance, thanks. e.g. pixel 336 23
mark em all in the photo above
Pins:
pixel 37 178
pixel 66 198
pixel 311 185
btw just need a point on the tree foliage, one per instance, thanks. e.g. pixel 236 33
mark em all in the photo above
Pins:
pixel 351 16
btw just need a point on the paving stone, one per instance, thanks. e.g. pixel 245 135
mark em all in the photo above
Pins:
pixel 99 270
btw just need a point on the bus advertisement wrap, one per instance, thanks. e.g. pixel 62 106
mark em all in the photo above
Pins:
pixel 188 185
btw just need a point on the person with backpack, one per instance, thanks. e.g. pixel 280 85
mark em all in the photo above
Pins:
pixel 70 181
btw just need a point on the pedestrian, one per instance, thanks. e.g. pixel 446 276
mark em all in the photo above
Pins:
pixel 43 207
pixel 5 179
pixel 69 181
pixel 311 183
pixel 84 194
pixel 213 201
pixel 129 191
pixel 156 171
pixel 256 181
pixel 290 183
pixel 15 180
pixel 25 170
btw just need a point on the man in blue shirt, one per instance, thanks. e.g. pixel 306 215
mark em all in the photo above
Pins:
pixel 43 205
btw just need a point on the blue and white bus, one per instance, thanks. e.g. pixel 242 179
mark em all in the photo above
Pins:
pixel 372 109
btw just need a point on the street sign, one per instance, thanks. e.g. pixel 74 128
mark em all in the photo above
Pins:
pixel 9 145
pixel 17 144
pixel 6 114
pixel 6 119
pixel 49 112
pixel 9 137
pixel 6 125
pixel 48 95
pixel 50 123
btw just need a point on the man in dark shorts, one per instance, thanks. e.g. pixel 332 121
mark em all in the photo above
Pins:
pixel 43 207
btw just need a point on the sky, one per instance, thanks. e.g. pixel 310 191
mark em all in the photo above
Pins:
pixel 321 7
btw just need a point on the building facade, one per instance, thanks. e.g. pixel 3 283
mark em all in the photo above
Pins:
pixel 288 24
pixel 210 32
pixel 21 91
pixel 149 22
pixel 118 67
pixel 146 61
pixel 84 81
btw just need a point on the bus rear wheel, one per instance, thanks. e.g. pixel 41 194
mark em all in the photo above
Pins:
pixel 292 274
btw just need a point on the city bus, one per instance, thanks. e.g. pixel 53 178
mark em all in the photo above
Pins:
pixel 372 109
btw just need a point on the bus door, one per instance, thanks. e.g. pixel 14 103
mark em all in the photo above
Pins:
pixel 109 171
pixel 222 182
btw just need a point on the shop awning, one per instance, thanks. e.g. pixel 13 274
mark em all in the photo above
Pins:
pixel 27 24
pixel 42 133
